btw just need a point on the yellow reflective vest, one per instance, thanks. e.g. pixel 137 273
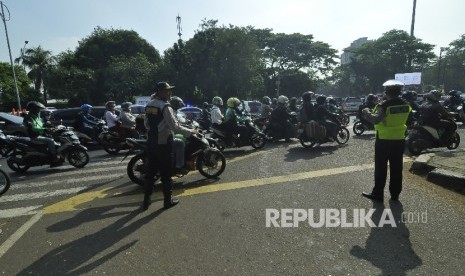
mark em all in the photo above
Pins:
pixel 393 126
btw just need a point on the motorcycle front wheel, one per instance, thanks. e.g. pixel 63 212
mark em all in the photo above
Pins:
pixel 413 146
pixel 5 182
pixel 78 157
pixel 358 128
pixel 305 142
pixel 136 169
pixel 454 141
pixel 14 164
pixel 211 164
pixel 258 141
pixel 342 136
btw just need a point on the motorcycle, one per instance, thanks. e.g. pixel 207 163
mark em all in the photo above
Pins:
pixel 5 182
pixel 342 135
pixel 275 132
pixel 361 126
pixel 254 137
pixel 422 137
pixel 27 153
pixel 199 152
pixel 112 141
pixel 88 141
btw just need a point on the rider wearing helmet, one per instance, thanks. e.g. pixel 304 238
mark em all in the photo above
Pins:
pixel 205 120
pixel 216 115
pixel 370 102
pixel 231 120
pixel 176 103
pixel 279 121
pixel 35 129
pixel 389 119
pixel 432 113
pixel 454 100
pixel 307 111
pixel 266 109
pixel 325 117
pixel 86 123
pixel 113 121
pixel 128 121
pixel 293 104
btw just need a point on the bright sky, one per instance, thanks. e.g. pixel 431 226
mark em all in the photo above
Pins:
pixel 58 25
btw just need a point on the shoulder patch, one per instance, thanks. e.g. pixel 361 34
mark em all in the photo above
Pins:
pixel 399 109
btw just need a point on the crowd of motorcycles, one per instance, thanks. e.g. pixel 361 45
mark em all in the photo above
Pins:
pixel 203 152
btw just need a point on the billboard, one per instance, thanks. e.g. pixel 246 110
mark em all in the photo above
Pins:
pixel 409 78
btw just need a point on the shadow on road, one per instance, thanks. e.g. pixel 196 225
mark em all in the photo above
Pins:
pixel 389 248
pixel 76 257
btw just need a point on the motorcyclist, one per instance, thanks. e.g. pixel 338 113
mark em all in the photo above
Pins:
pixel 216 114
pixel 179 141
pixel 280 118
pixel 454 100
pixel 128 120
pixel 86 123
pixel 293 105
pixel 432 113
pixel 266 109
pixel 36 130
pixel 370 103
pixel 332 105
pixel 231 120
pixel 205 119
pixel 307 111
pixel 113 121
pixel 410 97
pixel 325 117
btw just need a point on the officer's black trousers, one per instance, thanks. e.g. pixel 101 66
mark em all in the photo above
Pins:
pixel 388 151
pixel 160 159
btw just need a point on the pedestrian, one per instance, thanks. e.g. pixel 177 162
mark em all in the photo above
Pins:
pixel 389 118
pixel 161 124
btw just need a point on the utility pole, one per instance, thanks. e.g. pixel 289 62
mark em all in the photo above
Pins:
pixel 179 27
pixel 2 14
pixel 412 27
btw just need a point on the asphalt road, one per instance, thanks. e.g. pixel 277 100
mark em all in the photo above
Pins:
pixel 65 221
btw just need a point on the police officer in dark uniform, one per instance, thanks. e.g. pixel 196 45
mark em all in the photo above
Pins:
pixel 161 123
pixel 389 118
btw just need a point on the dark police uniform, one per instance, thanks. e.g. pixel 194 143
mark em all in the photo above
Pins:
pixel 161 123
pixel 389 119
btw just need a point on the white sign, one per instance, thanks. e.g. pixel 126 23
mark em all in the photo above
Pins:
pixel 143 100
pixel 409 78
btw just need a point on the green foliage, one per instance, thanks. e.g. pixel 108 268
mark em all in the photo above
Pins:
pixel 8 90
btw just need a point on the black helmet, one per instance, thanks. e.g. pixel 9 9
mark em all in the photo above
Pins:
pixel 125 106
pixel 205 105
pixel 176 103
pixel 307 96
pixel 321 99
pixel 371 98
pixel 454 93
pixel 34 105
pixel 409 96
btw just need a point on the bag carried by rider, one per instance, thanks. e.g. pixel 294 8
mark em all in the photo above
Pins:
pixel 314 130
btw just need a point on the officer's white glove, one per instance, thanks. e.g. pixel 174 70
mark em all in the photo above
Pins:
pixel 366 110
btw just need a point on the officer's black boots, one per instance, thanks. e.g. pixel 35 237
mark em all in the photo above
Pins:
pixel 147 202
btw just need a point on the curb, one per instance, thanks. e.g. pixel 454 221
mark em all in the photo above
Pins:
pixel 448 179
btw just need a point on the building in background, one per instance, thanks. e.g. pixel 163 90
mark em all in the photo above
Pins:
pixel 347 55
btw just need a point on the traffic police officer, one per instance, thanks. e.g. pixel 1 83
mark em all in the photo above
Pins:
pixel 161 123
pixel 389 119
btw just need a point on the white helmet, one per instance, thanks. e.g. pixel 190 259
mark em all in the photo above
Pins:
pixel 283 99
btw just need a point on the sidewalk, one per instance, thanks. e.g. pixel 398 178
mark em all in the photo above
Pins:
pixel 446 168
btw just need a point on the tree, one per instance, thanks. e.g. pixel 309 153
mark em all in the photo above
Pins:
pixel 8 90
pixel 376 61
pixel 37 60
pixel 453 66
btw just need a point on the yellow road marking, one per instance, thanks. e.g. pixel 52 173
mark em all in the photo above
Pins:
pixel 71 204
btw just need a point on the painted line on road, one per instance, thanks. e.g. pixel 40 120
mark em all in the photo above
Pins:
pixel 18 212
pixel 20 197
pixel 19 233
pixel 68 181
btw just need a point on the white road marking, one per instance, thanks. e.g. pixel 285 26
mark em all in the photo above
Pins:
pixel 67 181
pixel 18 234
pixel 18 212
pixel 28 196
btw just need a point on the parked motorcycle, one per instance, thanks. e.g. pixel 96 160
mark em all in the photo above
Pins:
pixel 254 138
pixel 5 182
pixel 361 126
pixel 27 153
pixel 199 151
pixel 342 136
pixel 422 137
